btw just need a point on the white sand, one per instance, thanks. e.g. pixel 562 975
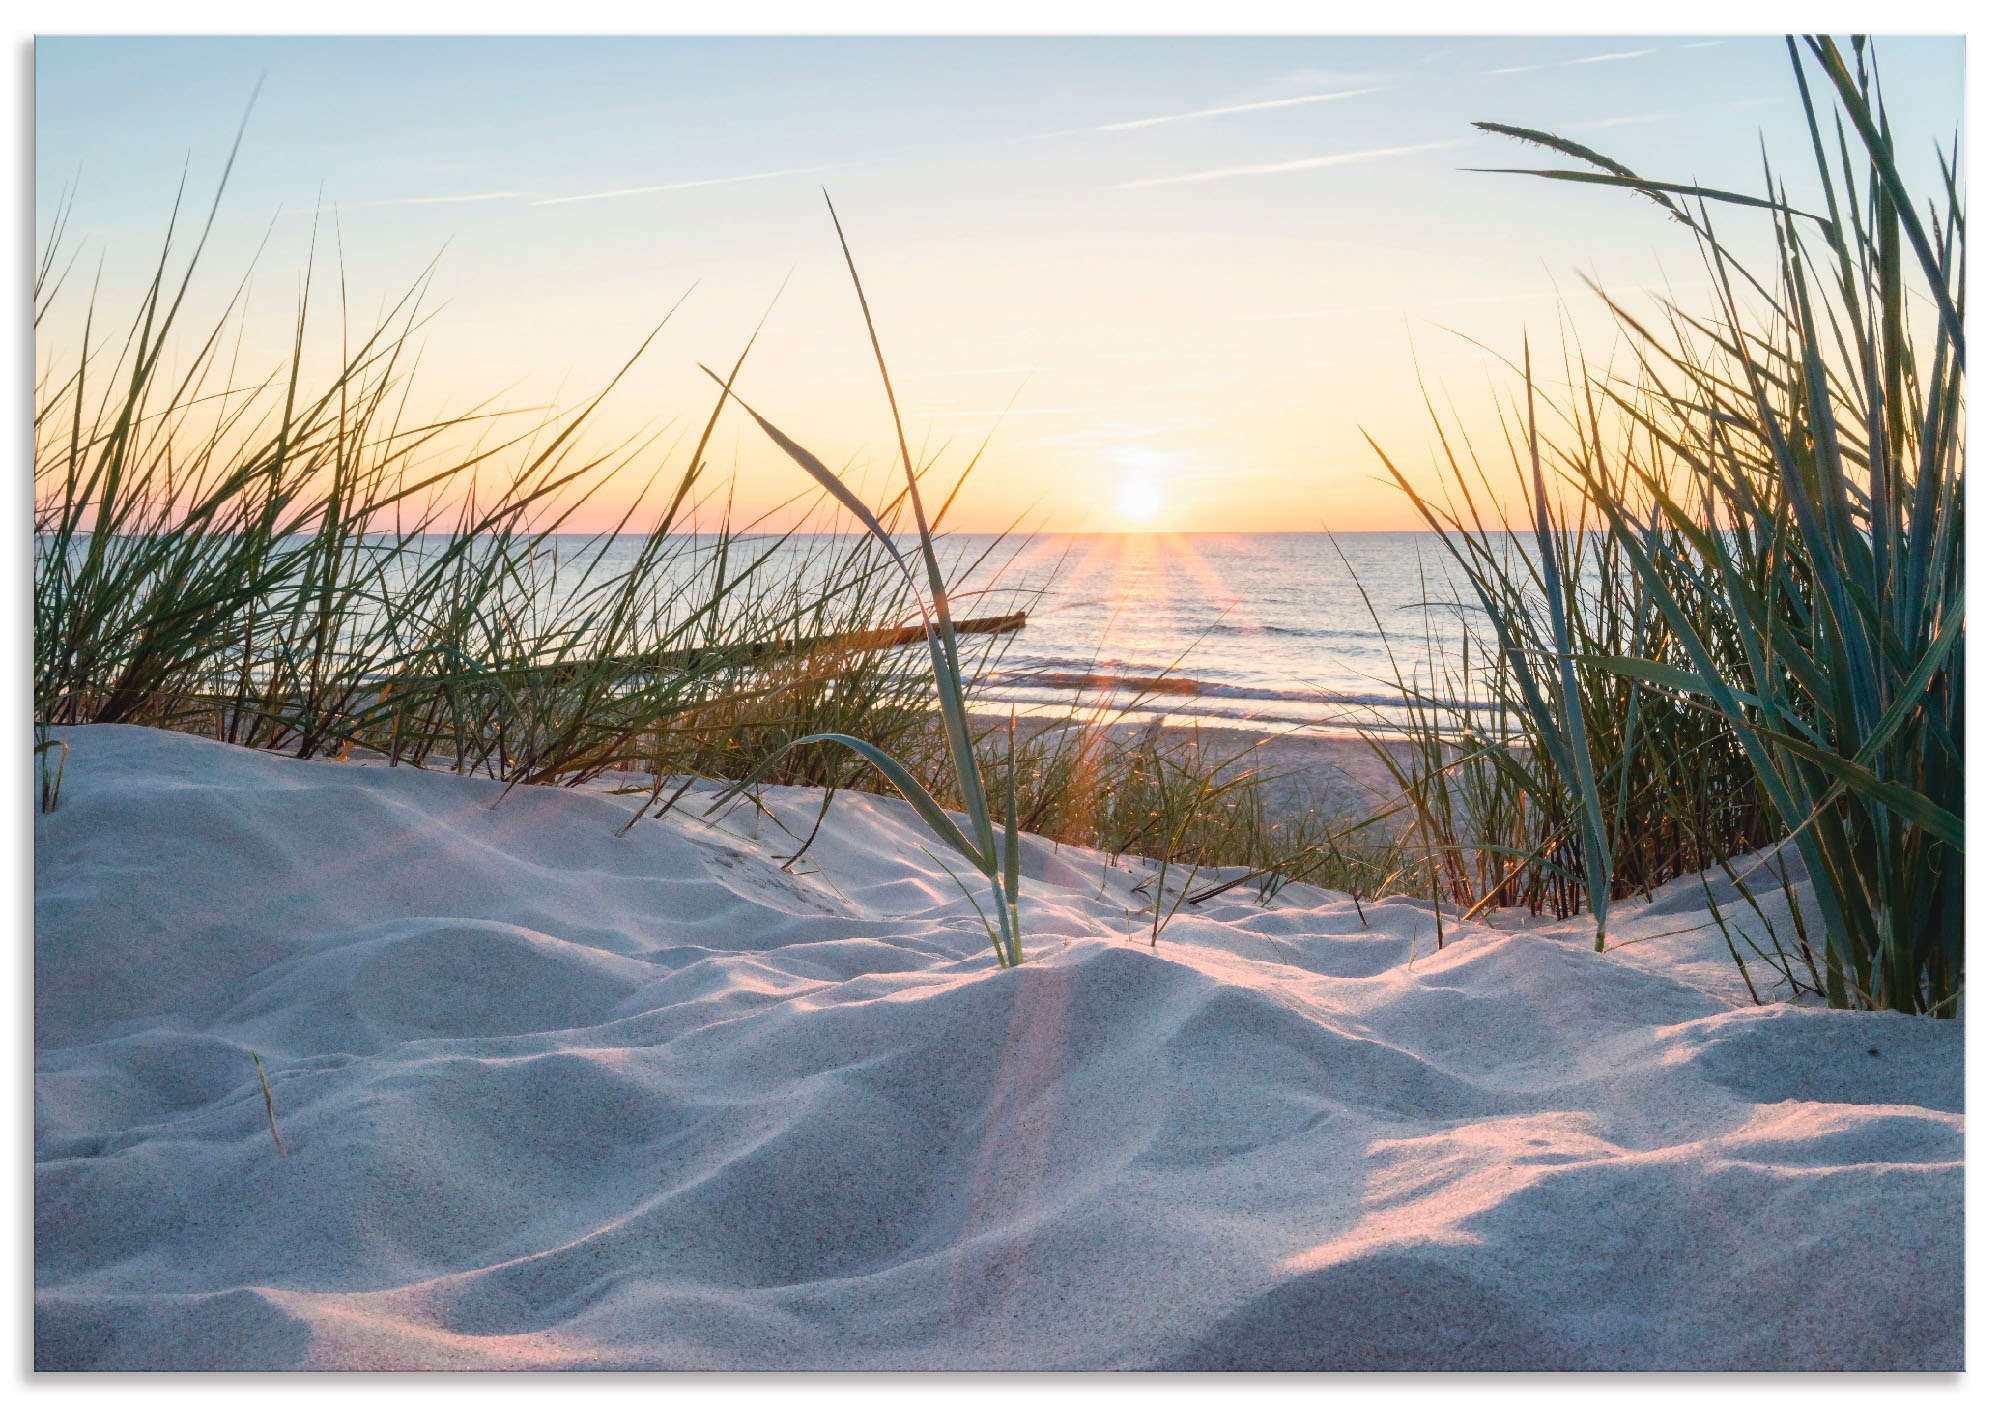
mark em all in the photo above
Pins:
pixel 558 1098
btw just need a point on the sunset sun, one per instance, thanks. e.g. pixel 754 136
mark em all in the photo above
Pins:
pixel 1140 500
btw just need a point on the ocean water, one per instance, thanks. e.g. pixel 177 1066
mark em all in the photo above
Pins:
pixel 1261 630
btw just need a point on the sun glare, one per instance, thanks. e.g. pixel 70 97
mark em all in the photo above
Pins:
pixel 1139 501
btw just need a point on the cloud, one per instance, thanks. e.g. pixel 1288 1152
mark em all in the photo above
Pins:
pixel 686 185
pixel 1610 58
pixel 432 199
pixel 1232 108
pixel 1272 168
pixel 1572 63
pixel 1603 122
pixel 1318 80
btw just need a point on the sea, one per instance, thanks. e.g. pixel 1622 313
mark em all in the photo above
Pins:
pixel 1266 631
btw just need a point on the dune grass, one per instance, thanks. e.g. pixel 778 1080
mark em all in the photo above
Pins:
pixel 1121 789
pixel 300 567
pixel 1749 624
pixel 1538 782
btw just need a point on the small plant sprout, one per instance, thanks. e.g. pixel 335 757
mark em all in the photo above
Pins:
pixel 51 778
pixel 270 1116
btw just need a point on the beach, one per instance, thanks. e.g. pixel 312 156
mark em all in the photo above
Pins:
pixel 1333 772
pixel 555 1096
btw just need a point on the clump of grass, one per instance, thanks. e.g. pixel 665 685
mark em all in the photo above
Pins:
pixel 295 565
pixel 833 678
pixel 1774 499
pixel 1105 784
pixel 1535 782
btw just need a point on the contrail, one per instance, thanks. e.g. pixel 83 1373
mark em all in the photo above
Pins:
pixel 1236 107
pixel 1272 168
pixel 685 185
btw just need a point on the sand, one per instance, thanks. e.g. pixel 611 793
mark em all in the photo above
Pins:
pixel 554 1097
pixel 1335 772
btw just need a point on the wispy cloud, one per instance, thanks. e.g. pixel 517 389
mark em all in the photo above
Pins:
pixel 1318 80
pixel 432 199
pixel 1572 63
pixel 1704 44
pixel 1233 108
pixel 1603 122
pixel 1273 168
pixel 686 185
pixel 1610 58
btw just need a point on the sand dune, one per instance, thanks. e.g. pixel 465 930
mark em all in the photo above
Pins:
pixel 554 1097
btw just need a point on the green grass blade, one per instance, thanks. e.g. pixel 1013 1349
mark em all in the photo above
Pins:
pixel 897 775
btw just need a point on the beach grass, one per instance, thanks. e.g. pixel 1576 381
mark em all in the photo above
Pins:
pixel 1749 624
pixel 1113 785
pixel 294 565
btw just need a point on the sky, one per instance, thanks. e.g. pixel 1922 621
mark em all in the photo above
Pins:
pixel 1192 272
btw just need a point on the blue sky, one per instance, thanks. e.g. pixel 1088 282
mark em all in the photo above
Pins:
pixel 1196 265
